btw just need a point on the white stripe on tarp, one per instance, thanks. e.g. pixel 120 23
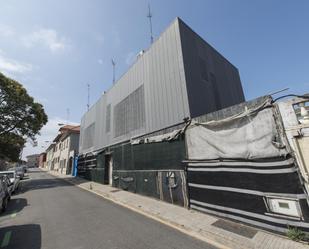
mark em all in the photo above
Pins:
pixel 248 221
pixel 241 163
pixel 248 191
pixel 150 170
pixel 255 215
pixel 245 170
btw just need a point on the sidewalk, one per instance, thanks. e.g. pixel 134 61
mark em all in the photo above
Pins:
pixel 218 232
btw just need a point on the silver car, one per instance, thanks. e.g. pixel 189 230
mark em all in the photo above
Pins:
pixel 14 178
pixel 4 197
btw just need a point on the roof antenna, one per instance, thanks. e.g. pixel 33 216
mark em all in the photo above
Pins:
pixel 150 23
pixel 88 98
pixel 114 65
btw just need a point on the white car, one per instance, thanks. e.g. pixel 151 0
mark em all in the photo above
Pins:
pixel 14 178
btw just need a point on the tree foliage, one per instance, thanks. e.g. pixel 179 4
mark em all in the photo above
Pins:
pixel 20 116
pixel 11 146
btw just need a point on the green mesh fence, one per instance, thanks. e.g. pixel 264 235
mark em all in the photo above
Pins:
pixel 142 169
pixel 96 175
pixel 152 156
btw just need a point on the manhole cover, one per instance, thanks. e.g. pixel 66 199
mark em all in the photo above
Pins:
pixel 239 229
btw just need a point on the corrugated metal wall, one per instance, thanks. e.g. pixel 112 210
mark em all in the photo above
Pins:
pixel 182 76
pixel 160 70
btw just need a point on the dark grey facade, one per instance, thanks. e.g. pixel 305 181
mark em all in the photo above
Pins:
pixel 179 76
pixel 213 83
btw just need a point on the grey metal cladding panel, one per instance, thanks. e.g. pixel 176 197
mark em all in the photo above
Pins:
pixel 168 101
pixel 220 90
pixel 81 133
pixel 100 120
pixel 161 71
pixel 179 76
pixel 88 139
pixel 88 119
pixel 74 142
pixel 129 114
pixel 108 118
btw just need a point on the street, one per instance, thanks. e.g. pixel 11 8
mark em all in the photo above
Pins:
pixel 48 212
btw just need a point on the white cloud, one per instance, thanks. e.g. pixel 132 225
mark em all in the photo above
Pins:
pixel 6 31
pixel 48 133
pixel 100 61
pixel 48 38
pixel 10 66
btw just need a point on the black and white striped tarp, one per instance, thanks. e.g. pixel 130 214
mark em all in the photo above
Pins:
pixel 240 190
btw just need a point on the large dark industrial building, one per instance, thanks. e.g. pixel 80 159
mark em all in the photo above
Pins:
pixel 175 127
pixel 179 76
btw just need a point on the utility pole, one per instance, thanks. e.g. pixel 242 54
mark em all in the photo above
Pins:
pixel 88 98
pixel 150 23
pixel 114 65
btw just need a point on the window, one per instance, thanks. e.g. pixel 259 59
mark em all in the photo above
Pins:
pixel 284 206
pixel 108 118
pixel 129 114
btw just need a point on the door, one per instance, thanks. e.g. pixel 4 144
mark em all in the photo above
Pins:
pixel 108 171
pixel 69 171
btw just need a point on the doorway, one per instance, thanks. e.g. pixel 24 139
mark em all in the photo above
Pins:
pixel 70 166
pixel 108 172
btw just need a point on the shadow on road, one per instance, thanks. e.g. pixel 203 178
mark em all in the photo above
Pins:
pixel 35 184
pixel 23 236
pixel 15 206
pixel 33 170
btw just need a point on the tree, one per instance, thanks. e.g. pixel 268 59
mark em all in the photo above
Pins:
pixel 11 146
pixel 20 116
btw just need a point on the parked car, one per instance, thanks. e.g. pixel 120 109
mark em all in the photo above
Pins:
pixel 25 167
pixel 4 198
pixel 19 171
pixel 9 186
pixel 14 178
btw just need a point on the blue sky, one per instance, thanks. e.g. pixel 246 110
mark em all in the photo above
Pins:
pixel 56 47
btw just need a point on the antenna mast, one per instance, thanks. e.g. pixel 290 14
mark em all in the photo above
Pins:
pixel 150 23
pixel 88 98
pixel 113 64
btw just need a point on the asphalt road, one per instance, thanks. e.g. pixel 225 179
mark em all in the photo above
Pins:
pixel 50 213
